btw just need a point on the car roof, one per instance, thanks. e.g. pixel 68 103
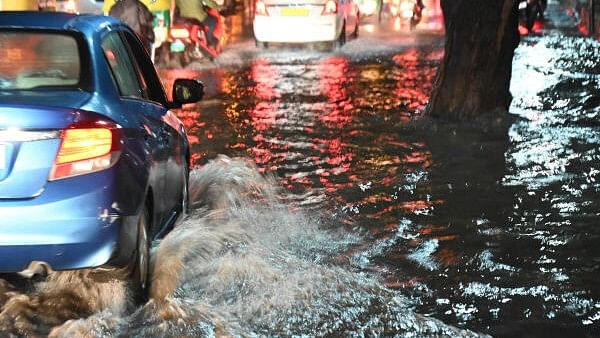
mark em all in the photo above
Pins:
pixel 86 23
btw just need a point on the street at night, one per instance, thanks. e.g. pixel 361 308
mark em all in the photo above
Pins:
pixel 324 203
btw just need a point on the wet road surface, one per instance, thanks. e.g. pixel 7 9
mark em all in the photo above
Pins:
pixel 488 230
pixel 339 211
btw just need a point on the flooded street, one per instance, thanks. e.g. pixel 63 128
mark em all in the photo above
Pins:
pixel 324 204
pixel 490 231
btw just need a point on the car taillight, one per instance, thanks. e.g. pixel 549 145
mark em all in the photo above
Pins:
pixel 261 8
pixel 330 7
pixel 180 33
pixel 85 150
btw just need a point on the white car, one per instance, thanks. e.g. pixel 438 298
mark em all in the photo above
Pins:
pixel 304 21
pixel 72 6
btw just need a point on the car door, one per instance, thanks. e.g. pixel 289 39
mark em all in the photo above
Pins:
pixel 171 129
pixel 146 115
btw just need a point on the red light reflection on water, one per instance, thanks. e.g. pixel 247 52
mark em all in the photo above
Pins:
pixel 536 28
pixel 334 80
pixel 264 114
pixel 413 82
pixel 265 78
pixel 191 120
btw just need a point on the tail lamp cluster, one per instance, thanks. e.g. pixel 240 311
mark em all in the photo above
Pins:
pixel 87 148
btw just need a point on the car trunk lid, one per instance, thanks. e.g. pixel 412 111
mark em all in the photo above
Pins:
pixel 29 140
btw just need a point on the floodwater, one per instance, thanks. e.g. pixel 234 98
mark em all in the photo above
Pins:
pixel 325 205
pixel 489 229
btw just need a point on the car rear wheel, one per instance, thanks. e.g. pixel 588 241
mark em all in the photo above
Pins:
pixel 185 194
pixel 140 274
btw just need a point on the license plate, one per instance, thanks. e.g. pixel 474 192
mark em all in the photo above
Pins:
pixel 2 156
pixel 293 11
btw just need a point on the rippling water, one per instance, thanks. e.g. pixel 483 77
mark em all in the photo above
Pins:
pixel 247 263
pixel 492 231
pixel 347 215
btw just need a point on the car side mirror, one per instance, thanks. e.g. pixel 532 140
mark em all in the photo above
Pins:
pixel 187 91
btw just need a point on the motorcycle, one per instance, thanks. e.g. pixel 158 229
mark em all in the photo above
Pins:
pixel 188 39
pixel 530 11
pixel 417 14
pixel 407 11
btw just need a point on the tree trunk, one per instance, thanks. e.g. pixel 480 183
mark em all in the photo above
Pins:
pixel 474 78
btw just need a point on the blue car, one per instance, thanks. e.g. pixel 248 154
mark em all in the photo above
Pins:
pixel 93 162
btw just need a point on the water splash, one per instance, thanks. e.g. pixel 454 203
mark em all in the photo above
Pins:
pixel 246 262
pixel 62 297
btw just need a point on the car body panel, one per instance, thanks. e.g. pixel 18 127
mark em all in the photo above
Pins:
pixel 297 30
pixel 73 224
pixel 27 168
pixel 29 151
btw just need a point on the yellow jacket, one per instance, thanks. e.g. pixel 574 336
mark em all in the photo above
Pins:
pixel 195 8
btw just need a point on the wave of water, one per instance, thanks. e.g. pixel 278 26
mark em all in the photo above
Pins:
pixel 247 262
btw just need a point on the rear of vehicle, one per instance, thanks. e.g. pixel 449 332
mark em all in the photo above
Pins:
pixel 64 185
pixel 297 21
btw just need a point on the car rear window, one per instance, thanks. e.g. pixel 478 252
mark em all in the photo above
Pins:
pixel 32 60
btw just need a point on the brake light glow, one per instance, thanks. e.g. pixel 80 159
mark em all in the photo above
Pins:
pixel 86 150
pixel 180 33
pixel 260 8
pixel 80 144
pixel 330 7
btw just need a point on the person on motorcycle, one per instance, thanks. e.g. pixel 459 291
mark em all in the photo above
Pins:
pixel 137 16
pixel 197 9
pixel 417 13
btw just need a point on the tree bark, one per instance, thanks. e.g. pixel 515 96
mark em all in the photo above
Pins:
pixel 474 77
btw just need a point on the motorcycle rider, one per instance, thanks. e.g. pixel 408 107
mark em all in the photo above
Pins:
pixel 197 9
pixel 137 16
pixel 417 13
